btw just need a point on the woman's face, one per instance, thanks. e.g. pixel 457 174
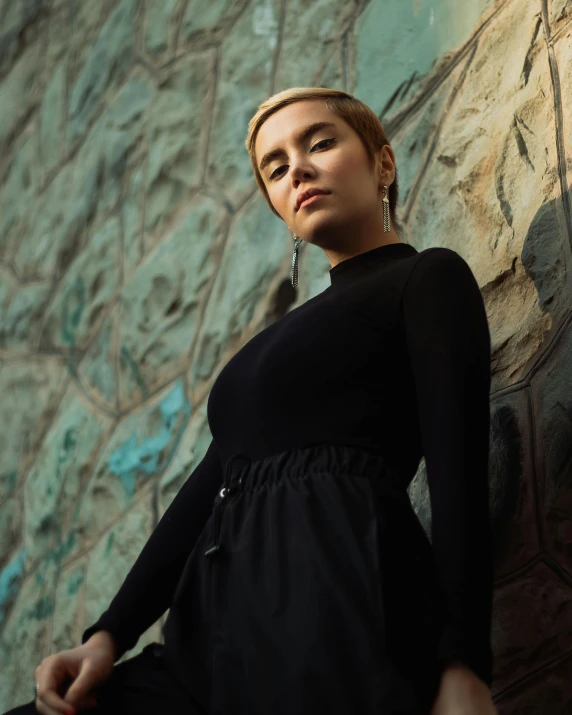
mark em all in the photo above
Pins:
pixel 332 158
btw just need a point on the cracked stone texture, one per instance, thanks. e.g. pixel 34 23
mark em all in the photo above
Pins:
pixel 137 256
pixel 85 292
pixel 110 560
pixel 69 608
pixel 18 190
pixel 159 307
pixel 60 473
pixel 139 449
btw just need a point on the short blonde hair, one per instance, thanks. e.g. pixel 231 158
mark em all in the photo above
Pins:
pixel 357 114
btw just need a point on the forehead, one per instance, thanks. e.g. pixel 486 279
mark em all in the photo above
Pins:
pixel 284 125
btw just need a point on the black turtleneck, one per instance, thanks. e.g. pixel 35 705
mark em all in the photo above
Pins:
pixel 393 357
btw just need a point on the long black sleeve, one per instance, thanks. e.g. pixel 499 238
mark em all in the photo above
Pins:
pixel 149 586
pixel 448 339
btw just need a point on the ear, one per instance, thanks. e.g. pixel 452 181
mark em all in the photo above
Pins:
pixel 385 162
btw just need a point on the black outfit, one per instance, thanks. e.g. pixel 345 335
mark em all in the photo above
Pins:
pixel 311 585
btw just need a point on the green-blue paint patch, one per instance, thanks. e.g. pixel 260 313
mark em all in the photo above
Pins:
pixel 151 454
pixel 75 581
pixel 109 543
pixel 10 580
pixel 43 608
pixel 73 305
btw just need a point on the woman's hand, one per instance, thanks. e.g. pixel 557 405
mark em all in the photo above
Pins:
pixel 67 679
pixel 462 692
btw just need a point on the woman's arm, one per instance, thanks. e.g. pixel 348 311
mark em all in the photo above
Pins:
pixel 150 585
pixel 448 340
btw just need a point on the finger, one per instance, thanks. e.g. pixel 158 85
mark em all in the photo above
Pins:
pixel 48 696
pixel 56 705
pixel 45 709
pixel 81 686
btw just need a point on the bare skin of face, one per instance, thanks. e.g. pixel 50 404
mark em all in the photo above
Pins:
pixel 348 220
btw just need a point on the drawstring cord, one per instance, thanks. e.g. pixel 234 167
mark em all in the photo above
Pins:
pixel 224 492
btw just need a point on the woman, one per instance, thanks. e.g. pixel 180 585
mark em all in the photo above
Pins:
pixel 306 584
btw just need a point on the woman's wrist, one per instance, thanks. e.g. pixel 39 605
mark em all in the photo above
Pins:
pixel 103 638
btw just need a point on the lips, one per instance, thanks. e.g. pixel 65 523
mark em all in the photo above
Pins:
pixel 308 195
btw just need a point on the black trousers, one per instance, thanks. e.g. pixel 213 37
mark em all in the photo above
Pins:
pixel 311 589
pixel 141 685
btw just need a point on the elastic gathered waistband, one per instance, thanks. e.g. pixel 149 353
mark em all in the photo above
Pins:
pixel 242 473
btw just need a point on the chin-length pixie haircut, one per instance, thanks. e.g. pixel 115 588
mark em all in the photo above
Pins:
pixel 358 115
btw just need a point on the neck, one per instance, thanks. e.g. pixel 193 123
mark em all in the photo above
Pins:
pixel 338 255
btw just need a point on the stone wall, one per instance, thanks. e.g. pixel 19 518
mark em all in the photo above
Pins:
pixel 137 256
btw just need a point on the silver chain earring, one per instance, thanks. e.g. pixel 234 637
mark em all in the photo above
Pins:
pixel 386 223
pixel 295 261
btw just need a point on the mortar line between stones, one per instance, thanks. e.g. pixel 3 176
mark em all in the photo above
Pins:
pixel 558 34
pixel 436 135
pixel 559 123
pixel 393 125
pixel 278 47
pixel 210 114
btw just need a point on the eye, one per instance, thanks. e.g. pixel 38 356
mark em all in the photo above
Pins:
pixel 315 145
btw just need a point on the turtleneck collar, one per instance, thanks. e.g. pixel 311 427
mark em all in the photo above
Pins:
pixel 355 265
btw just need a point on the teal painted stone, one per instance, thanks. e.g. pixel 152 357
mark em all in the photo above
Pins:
pixel 52 118
pixel 255 251
pixel 18 190
pixel 333 72
pixel 132 207
pixel 51 227
pixel 192 448
pixel 84 191
pixel 58 477
pixel 68 622
pixel 106 63
pixel 112 149
pixel 20 324
pixel 98 368
pixel 18 93
pixel 140 449
pixel 11 577
pixel 160 302
pixel 245 75
pixel 398 43
pixel 205 18
pixel 11 521
pixel 25 639
pixel 310 31
pixel 158 26
pixel 34 386
pixel 86 290
pixel 178 120
pixel 108 566
pixel 17 19
pixel 60 35
pixel 8 286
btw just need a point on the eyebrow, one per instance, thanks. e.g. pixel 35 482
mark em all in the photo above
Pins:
pixel 303 134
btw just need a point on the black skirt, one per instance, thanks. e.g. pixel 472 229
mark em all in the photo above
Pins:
pixel 311 589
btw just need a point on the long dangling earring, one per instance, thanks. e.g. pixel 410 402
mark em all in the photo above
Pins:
pixel 386 223
pixel 295 261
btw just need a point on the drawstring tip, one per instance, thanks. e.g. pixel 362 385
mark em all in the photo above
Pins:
pixel 212 550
